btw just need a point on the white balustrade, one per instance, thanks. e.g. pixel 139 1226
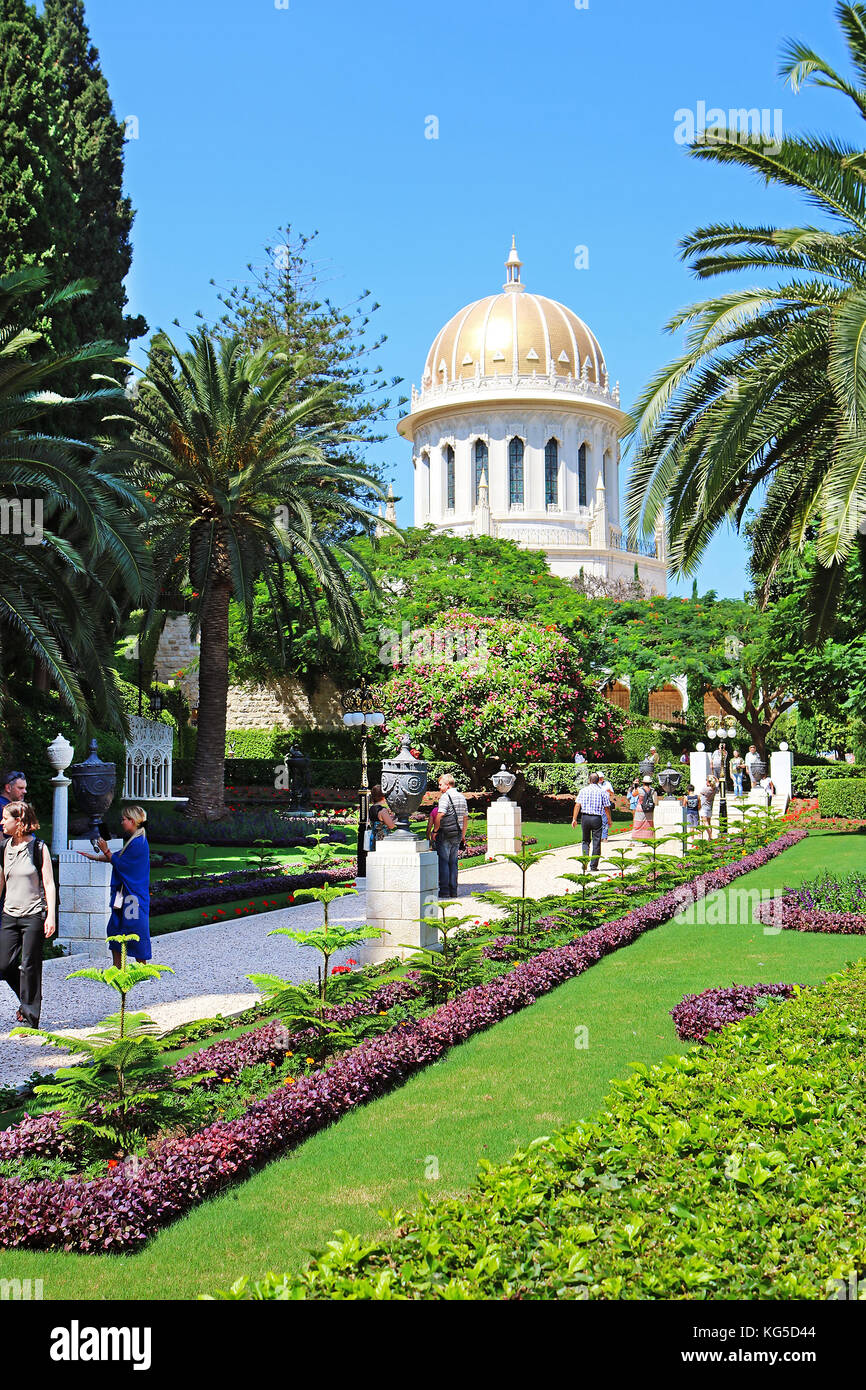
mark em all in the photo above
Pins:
pixel 148 761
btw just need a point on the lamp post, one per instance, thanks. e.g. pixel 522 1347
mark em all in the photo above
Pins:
pixel 361 711
pixel 722 729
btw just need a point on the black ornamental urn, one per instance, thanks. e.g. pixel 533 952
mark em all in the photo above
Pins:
pixel 670 780
pixel 404 782
pixel 647 769
pixel 93 785
pixel 757 769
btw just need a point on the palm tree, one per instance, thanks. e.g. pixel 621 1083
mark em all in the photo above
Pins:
pixel 243 492
pixel 767 405
pixel 71 553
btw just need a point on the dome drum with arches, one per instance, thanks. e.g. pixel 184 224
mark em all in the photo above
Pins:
pixel 515 433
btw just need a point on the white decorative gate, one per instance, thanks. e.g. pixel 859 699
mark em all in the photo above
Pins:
pixel 148 761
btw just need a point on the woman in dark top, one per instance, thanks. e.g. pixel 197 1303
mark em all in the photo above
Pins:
pixel 379 818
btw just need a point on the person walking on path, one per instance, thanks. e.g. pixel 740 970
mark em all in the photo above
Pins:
pixel 738 767
pixel 593 806
pixel 29 908
pixel 130 885
pixel 452 819
pixel 607 787
pixel 708 796
pixel 379 818
pixel 643 827
pixel 692 807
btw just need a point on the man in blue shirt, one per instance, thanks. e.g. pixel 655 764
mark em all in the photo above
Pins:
pixel 593 803
pixel 12 788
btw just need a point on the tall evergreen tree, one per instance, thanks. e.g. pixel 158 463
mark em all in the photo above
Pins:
pixel 96 243
pixel 35 199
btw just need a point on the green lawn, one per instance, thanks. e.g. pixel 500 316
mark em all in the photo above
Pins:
pixel 523 1078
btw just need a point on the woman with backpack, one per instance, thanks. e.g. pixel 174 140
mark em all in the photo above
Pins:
pixel 379 818
pixel 642 825
pixel 29 908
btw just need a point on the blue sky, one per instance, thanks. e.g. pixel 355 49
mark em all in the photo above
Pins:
pixel 555 123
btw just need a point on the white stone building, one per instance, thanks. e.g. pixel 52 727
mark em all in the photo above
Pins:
pixel 515 434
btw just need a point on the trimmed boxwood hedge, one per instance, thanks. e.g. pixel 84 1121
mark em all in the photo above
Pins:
pixel 733 1172
pixel 842 796
pixel 805 779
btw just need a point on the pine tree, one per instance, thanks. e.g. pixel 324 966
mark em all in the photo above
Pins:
pixel 96 242
pixel 35 200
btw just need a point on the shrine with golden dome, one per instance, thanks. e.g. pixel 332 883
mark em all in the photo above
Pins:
pixel 515 433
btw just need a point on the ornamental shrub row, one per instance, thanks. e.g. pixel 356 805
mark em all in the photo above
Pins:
pixel 788 914
pixel 842 796
pixel 734 1172
pixel 252 886
pixel 123 1209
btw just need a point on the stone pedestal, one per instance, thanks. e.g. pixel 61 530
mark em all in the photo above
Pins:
pixel 504 828
pixel 85 900
pixel 699 770
pixel 60 813
pixel 781 774
pixel 668 820
pixel 402 888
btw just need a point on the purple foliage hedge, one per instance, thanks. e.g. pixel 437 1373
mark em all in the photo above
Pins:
pixel 698 1015
pixel 123 1209
pixel 790 914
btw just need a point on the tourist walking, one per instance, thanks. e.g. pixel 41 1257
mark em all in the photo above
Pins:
pixel 452 819
pixel 29 908
pixel 130 884
pixel 634 795
pixel 751 757
pixel 607 787
pixel 692 806
pixel 380 818
pixel 708 796
pixel 592 807
pixel 738 767
pixel 643 827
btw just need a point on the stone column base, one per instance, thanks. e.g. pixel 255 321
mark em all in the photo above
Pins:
pixel 668 820
pixel 402 889
pixel 85 900
pixel 504 828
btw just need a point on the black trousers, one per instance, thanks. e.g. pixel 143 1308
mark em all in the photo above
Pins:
pixel 591 826
pixel 21 941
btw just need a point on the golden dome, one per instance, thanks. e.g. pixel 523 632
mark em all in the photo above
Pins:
pixel 514 332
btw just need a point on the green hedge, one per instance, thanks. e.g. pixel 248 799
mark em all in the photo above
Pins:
pixel 805 780
pixel 842 796
pixel 733 1172
pixel 324 772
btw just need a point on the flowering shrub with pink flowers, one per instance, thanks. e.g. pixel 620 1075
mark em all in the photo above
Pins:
pixel 121 1210
pixel 486 689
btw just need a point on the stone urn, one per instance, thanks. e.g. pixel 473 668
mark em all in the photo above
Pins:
pixel 503 781
pixel 60 754
pixel 647 769
pixel 670 781
pixel 93 786
pixel 757 769
pixel 404 782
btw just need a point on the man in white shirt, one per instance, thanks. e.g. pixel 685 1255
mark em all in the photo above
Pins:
pixel 452 818
pixel 607 786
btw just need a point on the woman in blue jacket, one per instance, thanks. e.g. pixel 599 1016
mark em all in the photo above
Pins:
pixel 130 885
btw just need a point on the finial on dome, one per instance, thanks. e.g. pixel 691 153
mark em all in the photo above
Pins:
pixel 512 269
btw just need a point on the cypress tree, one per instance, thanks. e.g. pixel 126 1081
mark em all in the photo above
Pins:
pixel 96 242
pixel 35 200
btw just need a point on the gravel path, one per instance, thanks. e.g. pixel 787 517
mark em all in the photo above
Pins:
pixel 210 963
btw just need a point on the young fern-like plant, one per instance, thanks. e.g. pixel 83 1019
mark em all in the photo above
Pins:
pixel 122 1093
